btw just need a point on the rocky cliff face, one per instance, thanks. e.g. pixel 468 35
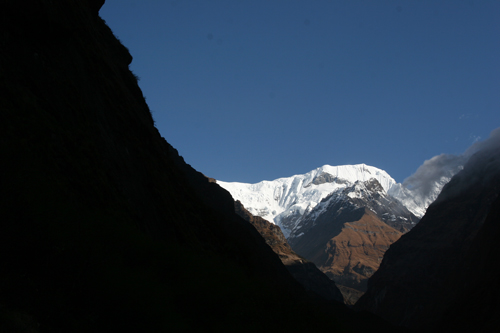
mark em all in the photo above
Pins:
pixel 441 275
pixel 305 272
pixel 347 234
pixel 104 226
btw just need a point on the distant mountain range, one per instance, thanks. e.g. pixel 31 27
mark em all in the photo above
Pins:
pixel 284 201
pixel 342 218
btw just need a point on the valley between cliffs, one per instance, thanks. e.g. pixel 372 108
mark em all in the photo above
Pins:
pixel 104 227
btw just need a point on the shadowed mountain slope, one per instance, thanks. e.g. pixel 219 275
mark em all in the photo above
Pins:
pixel 476 308
pixel 103 225
pixel 442 274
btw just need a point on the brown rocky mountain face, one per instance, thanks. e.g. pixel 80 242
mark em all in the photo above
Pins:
pixel 270 232
pixel 442 276
pixel 353 255
pixel 305 272
pixel 349 233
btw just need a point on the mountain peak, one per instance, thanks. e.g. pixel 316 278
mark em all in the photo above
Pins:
pixel 364 189
pixel 284 200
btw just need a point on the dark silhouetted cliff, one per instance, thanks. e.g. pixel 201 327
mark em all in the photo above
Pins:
pixel 103 225
pixel 304 271
pixel 442 275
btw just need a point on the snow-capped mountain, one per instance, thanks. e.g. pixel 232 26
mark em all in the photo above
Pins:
pixel 283 201
pixel 342 218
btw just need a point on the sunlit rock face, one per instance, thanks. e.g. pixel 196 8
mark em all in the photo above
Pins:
pixel 440 275
pixel 348 232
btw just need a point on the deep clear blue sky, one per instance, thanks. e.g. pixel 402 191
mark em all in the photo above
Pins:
pixel 262 89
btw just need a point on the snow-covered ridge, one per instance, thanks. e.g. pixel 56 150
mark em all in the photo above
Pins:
pixel 285 199
pixel 415 201
pixel 362 194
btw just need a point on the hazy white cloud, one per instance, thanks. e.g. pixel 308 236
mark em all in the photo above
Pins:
pixel 437 169
pixel 482 167
pixel 442 167
pixel 492 142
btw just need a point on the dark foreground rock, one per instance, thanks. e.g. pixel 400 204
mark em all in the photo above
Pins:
pixel 442 275
pixel 305 272
pixel 104 227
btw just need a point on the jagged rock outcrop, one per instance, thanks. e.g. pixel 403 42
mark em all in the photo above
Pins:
pixel 347 234
pixel 441 275
pixel 305 272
